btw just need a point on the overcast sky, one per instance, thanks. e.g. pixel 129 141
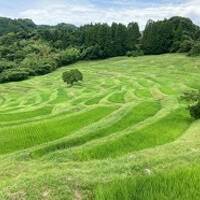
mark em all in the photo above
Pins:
pixel 80 12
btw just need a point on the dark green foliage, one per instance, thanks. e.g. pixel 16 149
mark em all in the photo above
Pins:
pixel 183 28
pixel 157 37
pixel 133 33
pixel 13 75
pixel 186 46
pixel 8 25
pixel 59 36
pixel 119 39
pixel 91 53
pixel 197 35
pixel 38 50
pixel 193 98
pixel 195 51
pixel 72 76
pixel 135 53
pixel 195 110
pixel 175 34
pixel 102 40
pixel 5 65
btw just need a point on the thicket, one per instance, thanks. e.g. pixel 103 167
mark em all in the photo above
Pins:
pixel 193 99
pixel 28 50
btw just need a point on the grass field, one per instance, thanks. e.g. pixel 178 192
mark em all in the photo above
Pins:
pixel 121 134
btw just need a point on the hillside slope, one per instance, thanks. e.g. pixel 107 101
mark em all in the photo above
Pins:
pixel 122 134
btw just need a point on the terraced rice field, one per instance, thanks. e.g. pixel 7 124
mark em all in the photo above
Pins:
pixel 121 134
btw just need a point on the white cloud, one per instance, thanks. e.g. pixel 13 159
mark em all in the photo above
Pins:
pixel 85 12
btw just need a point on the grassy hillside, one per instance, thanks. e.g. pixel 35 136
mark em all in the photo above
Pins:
pixel 122 134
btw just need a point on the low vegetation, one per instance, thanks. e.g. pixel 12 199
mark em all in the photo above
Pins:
pixel 123 134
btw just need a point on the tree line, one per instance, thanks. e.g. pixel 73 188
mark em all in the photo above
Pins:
pixel 27 49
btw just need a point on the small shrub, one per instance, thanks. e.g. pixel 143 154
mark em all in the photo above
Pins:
pixel 193 98
pixel 195 110
pixel 72 76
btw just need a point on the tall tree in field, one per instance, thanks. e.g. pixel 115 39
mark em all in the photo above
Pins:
pixel 119 39
pixel 133 35
pixel 104 39
pixel 157 37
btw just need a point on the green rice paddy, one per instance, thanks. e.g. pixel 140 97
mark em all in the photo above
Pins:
pixel 122 134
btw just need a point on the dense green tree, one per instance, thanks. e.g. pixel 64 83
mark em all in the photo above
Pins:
pixel 93 52
pixel 183 30
pixel 133 36
pixel 157 37
pixel 9 25
pixel 72 76
pixel 119 39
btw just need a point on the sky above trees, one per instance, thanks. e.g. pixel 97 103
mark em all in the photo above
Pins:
pixel 80 12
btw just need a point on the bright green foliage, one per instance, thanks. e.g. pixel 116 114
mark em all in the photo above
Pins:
pixel 68 56
pixel 50 130
pixel 72 76
pixel 39 65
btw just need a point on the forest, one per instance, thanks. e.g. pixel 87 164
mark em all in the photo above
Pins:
pixel 27 49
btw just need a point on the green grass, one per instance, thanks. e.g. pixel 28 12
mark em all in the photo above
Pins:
pixel 163 131
pixel 134 116
pixel 94 100
pixel 25 115
pixel 25 136
pixel 117 97
pixel 180 184
pixel 121 134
